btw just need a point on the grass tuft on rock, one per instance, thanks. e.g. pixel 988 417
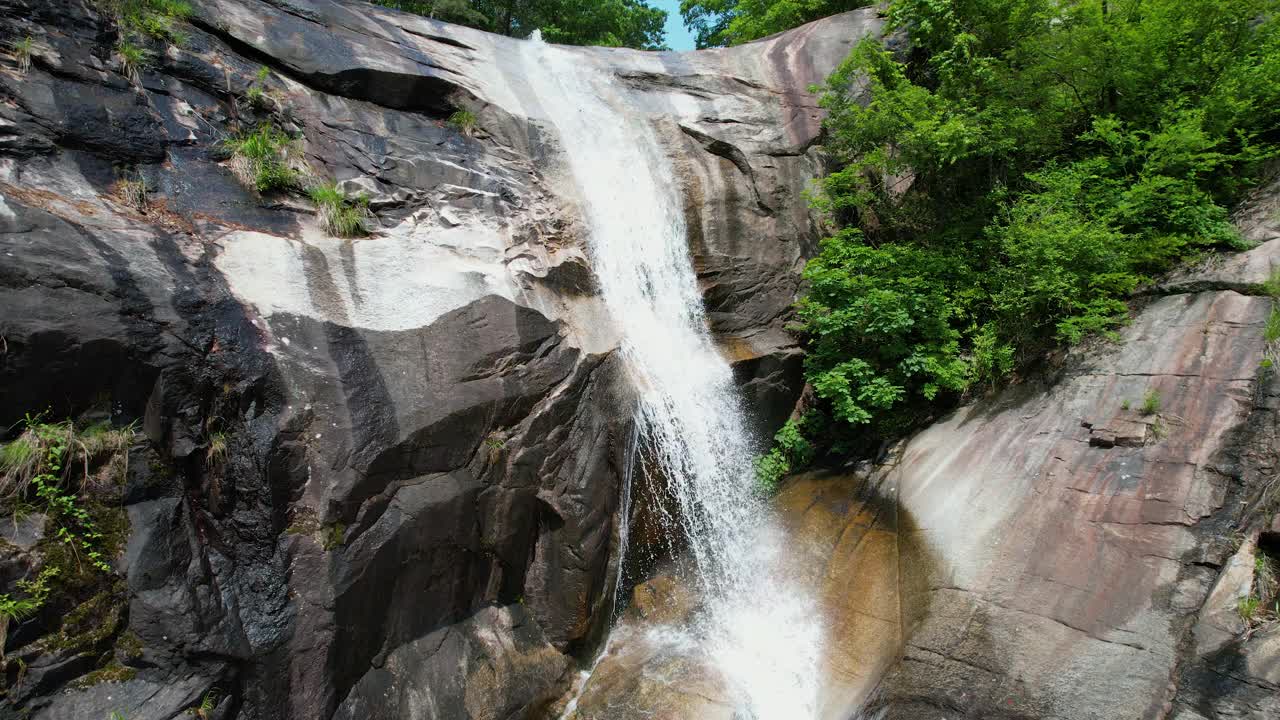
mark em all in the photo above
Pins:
pixel 339 215
pixel 22 52
pixel 465 122
pixel 263 159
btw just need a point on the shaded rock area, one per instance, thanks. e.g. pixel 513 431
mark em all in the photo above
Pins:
pixel 380 476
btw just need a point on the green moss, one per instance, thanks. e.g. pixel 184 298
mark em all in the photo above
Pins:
pixel 129 645
pixel 113 672
pixel 91 624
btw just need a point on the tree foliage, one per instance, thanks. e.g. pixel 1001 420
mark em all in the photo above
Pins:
pixel 1003 185
pixel 717 23
pixel 612 23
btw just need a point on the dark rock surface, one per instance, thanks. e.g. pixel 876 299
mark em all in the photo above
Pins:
pixel 413 514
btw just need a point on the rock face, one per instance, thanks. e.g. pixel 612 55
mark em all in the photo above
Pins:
pixel 414 512
pixel 1078 537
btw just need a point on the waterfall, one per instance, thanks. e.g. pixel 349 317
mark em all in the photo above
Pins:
pixel 758 630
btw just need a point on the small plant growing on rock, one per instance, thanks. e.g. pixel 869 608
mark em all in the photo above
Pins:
pixel 11 608
pixel 133 192
pixel 1125 406
pixel 263 159
pixel 208 703
pixel 1248 608
pixel 464 121
pixel 1151 402
pixel 1272 333
pixel 257 95
pixel 334 536
pixel 22 51
pixel 216 453
pixel 338 215
pixel 132 59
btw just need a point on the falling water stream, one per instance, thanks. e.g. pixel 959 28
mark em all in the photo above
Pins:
pixel 757 630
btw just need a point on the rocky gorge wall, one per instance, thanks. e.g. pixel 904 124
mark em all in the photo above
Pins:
pixel 416 510
pixel 376 477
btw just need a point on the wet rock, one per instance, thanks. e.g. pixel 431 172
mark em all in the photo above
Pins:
pixel 494 665
pixel 355 445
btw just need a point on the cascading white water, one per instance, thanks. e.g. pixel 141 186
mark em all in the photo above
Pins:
pixel 758 630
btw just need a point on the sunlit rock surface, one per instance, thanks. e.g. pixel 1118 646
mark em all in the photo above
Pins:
pixel 425 427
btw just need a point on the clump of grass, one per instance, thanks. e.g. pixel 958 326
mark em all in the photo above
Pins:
pixel 340 216
pixel 133 192
pixel 208 703
pixel 464 121
pixel 1125 406
pixel 22 51
pixel 1271 286
pixel 28 456
pixel 159 19
pixel 1248 608
pixel 1272 333
pixel 1151 402
pixel 263 159
pixel 133 58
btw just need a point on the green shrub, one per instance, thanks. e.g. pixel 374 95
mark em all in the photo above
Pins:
pixel 263 159
pixel 338 215
pixel 791 451
pixel 1002 189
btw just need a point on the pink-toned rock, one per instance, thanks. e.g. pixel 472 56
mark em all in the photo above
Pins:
pixel 1070 536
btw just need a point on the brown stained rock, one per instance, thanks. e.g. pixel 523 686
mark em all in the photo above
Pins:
pixel 663 600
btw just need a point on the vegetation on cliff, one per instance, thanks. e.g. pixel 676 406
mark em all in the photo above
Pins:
pixel 717 23
pixel 613 23
pixel 1010 180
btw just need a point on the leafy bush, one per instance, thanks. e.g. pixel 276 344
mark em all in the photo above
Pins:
pixel 731 22
pixel 618 23
pixel 790 451
pixel 1005 186
pixel 263 159
pixel 339 216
